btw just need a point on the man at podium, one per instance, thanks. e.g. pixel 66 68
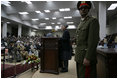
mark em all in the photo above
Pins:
pixel 65 53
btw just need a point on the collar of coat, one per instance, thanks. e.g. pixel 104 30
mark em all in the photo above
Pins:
pixel 83 19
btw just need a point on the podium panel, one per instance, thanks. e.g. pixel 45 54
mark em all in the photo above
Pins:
pixel 49 55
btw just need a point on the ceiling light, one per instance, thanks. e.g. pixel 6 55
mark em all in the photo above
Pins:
pixel 47 11
pixel 69 17
pixel 54 18
pixel 48 27
pixel 67 9
pixel 35 19
pixel 58 23
pixel 71 27
pixel 6 3
pixel 28 2
pixel 34 30
pixel 113 6
pixel 23 13
pixel 70 22
pixel 64 9
pixel 8 22
pixel 52 23
pixel 38 11
pixel 61 10
pixel 48 1
pixel 42 23
pixel 46 18
pixel 57 27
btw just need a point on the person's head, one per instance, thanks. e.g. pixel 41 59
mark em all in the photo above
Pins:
pixel 84 7
pixel 63 27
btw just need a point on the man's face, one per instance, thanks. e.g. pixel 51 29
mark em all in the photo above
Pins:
pixel 84 11
pixel 62 28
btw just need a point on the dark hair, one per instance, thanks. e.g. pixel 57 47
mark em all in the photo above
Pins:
pixel 79 2
pixel 66 26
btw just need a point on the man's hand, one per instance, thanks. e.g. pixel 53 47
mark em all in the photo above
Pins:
pixel 86 62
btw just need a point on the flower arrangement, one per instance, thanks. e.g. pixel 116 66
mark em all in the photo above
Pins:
pixel 32 59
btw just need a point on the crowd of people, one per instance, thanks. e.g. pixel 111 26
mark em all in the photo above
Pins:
pixel 110 41
pixel 19 48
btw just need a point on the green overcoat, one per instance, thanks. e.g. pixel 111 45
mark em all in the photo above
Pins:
pixel 87 39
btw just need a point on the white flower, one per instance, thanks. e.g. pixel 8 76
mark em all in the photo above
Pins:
pixel 29 62
pixel 24 62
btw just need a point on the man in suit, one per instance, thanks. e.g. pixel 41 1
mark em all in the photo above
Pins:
pixel 87 39
pixel 65 53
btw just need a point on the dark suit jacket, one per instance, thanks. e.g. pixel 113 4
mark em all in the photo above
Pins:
pixel 65 53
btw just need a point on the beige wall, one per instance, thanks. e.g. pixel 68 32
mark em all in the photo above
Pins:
pixel 112 27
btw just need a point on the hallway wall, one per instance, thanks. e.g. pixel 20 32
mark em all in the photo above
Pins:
pixel 112 25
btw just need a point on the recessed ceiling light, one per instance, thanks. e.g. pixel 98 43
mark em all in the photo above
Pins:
pixel 113 6
pixel 67 9
pixel 35 19
pixel 57 27
pixel 64 9
pixel 70 22
pixel 34 30
pixel 47 11
pixel 52 23
pixel 48 27
pixel 38 11
pixel 54 18
pixel 46 18
pixel 23 13
pixel 71 27
pixel 8 22
pixel 61 10
pixel 42 23
pixel 48 1
pixel 69 17
pixel 28 2
pixel 58 23
pixel 6 3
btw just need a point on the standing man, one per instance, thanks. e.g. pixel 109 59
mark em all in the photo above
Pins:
pixel 87 39
pixel 65 53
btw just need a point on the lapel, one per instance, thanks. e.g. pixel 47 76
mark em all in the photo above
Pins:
pixel 80 26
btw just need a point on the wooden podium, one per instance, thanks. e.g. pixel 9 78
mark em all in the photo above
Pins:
pixel 49 55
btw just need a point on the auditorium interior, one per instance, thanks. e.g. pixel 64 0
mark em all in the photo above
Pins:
pixel 26 52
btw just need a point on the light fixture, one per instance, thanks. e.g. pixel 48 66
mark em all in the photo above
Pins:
pixel 35 19
pixel 42 23
pixel 61 10
pixel 71 27
pixel 52 23
pixel 8 22
pixel 57 27
pixel 28 2
pixel 23 13
pixel 6 3
pixel 34 30
pixel 64 9
pixel 58 23
pixel 48 1
pixel 48 27
pixel 46 18
pixel 54 18
pixel 38 11
pixel 70 22
pixel 67 9
pixel 69 17
pixel 113 6
pixel 47 11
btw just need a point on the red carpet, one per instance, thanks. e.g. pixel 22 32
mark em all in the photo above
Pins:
pixel 6 66
pixel 10 69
